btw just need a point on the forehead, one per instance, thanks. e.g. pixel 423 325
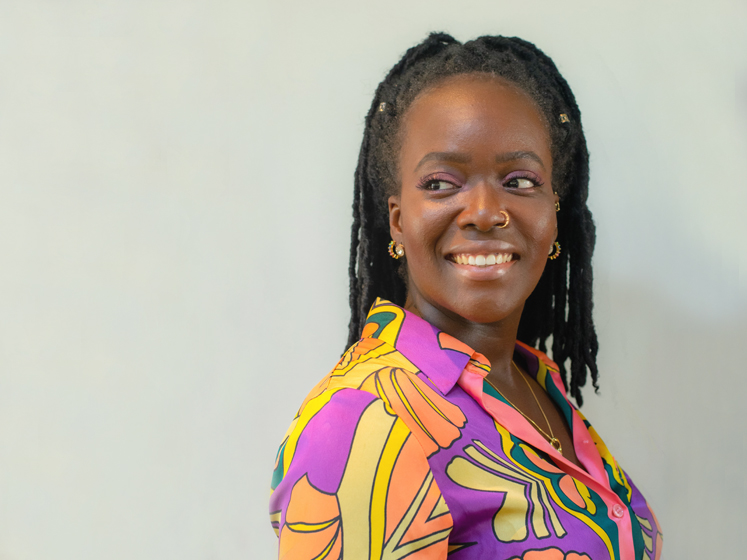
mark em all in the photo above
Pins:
pixel 464 106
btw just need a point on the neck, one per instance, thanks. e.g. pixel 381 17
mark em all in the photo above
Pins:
pixel 494 340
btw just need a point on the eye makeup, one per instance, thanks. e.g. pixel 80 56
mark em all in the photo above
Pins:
pixel 515 175
pixel 428 181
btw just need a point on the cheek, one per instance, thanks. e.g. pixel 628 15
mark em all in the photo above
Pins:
pixel 544 228
pixel 425 229
pixel 541 235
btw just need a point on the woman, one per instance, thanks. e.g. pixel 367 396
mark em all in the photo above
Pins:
pixel 441 431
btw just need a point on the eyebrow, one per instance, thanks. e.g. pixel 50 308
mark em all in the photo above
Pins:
pixel 511 156
pixel 457 157
pixel 449 157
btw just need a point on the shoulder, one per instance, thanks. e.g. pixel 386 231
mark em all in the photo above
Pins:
pixel 350 455
pixel 372 387
pixel 375 396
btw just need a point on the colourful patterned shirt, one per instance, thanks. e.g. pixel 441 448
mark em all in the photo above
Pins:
pixel 404 450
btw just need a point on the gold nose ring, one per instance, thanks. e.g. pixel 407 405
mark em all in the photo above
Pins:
pixel 507 220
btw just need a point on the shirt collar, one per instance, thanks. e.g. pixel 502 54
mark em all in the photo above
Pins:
pixel 440 356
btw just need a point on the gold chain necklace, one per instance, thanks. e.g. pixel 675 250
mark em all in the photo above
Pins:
pixel 555 442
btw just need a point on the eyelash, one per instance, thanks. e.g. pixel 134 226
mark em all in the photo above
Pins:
pixel 425 182
pixel 522 175
pixel 437 178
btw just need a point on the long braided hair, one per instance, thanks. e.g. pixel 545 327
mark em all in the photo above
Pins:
pixel 561 305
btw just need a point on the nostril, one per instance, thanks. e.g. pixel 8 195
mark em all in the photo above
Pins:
pixel 487 221
pixel 482 209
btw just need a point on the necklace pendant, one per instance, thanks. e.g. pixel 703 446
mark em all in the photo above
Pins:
pixel 555 442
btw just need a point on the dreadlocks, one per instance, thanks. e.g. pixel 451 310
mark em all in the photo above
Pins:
pixel 561 305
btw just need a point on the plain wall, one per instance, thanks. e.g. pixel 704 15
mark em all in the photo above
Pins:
pixel 175 190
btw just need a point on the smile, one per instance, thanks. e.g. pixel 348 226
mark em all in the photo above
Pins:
pixel 482 260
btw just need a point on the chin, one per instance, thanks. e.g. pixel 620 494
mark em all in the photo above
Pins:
pixel 484 313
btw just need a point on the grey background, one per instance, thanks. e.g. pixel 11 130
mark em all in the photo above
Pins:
pixel 175 189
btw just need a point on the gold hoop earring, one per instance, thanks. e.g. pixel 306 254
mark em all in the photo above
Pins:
pixel 396 250
pixel 506 221
pixel 557 203
pixel 554 251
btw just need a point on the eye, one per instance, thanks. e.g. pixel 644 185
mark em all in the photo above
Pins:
pixel 520 183
pixel 438 185
pixel 522 180
pixel 438 182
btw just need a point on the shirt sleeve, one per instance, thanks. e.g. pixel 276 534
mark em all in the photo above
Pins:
pixel 352 481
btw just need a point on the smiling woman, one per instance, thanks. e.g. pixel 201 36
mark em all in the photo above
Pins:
pixel 442 431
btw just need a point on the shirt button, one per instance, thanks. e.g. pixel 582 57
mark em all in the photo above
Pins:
pixel 618 510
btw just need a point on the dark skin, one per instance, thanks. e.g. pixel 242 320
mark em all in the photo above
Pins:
pixel 475 152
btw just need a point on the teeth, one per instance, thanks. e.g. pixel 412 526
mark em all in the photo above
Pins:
pixel 483 260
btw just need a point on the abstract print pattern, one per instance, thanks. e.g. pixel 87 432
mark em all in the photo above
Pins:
pixel 489 472
pixel 385 481
pixel 387 459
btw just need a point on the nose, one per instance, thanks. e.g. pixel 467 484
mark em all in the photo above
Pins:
pixel 483 208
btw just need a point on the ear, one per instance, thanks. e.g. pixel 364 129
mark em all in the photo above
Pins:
pixel 395 218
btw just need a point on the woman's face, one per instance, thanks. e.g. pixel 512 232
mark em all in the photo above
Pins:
pixel 475 149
